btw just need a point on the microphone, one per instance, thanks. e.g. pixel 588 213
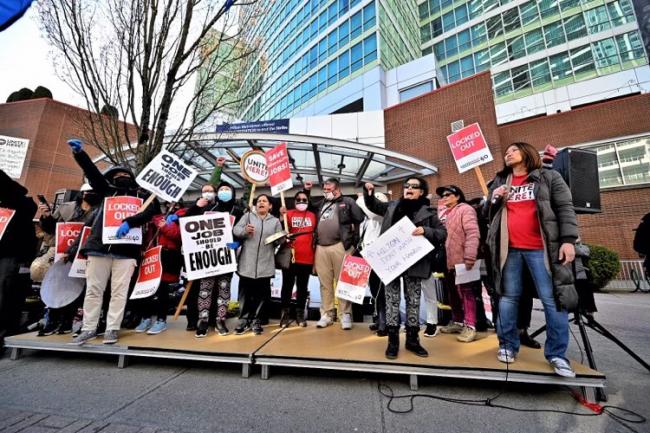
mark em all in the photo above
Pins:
pixel 497 198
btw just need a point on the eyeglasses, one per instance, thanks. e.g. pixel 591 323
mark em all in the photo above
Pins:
pixel 412 186
pixel 298 200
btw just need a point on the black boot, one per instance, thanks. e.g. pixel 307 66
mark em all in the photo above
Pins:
pixel 373 326
pixel 285 318
pixel 393 342
pixel 413 341
pixel 300 317
pixel 381 324
pixel 527 340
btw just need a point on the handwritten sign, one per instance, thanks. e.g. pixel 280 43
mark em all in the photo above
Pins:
pixel 13 152
pixel 353 280
pixel 396 250
pixel 204 240
pixel 167 176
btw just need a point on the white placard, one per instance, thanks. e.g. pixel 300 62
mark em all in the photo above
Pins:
pixel 392 253
pixel 464 275
pixel 167 176
pixel 204 240
pixel 13 152
pixel 78 269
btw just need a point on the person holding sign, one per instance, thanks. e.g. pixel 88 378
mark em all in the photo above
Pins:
pixel 17 247
pixel 256 264
pixel 415 206
pixel 115 262
pixel 463 238
pixel 219 199
pixel 532 225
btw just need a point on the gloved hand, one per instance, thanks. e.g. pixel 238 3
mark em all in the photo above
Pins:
pixel 171 218
pixel 233 245
pixel 75 145
pixel 122 230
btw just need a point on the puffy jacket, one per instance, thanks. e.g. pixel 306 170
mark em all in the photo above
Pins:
pixel 256 260
pixel 558 225
pixel 463 235
pixel 19 239
pixel 426 217
pixel 104 188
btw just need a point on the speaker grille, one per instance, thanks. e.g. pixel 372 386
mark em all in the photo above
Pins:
pixel 579 168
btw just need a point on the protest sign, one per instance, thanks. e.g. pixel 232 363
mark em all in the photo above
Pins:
pixel 253 167
pixel 279 171
pixel 204 240
pixel 353 280
pixel 116 209
pixel 469 148
pixel 66 234
pixel 396 250
pixel 167 176
pixel 5 218
pixel 149 275
pixel 13 152
pixel 78 269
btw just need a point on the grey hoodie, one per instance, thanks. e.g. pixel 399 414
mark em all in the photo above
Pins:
pixel 256 260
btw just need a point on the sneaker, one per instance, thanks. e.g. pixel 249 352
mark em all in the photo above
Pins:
pixel 84 337
pixel 65 328
pixel 50 329
pixel 257 328
pixel 324 321
pixel 110 336
pixel 562 367
pixel 506 355
pixel 157 327
pixel 221 327
pixel 452 328
pixel 467 336
pixel 243 327
pixel 202 329
pixel 431 331
pixel 346 321
pixel 144 325
pixel 190 327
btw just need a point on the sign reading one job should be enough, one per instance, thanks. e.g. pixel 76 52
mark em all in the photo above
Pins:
pixel 167 176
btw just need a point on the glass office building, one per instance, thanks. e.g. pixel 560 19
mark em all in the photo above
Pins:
pixel 530 46
pixel 308 48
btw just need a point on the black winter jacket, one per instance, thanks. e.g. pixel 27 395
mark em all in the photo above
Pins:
pixel 350 218
pixel 426 217
pixel 103 188
pixel 558 225
pixel 19 239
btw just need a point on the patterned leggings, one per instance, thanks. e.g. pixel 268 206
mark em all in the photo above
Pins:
pixel 206 289
pixel 412 291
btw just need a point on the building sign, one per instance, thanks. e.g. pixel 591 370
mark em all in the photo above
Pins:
pixel 279 171
pixel 469 148
pixel 167 176
pixel 279 126
pixel 13 152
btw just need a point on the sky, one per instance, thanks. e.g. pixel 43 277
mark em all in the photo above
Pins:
pixel 25 62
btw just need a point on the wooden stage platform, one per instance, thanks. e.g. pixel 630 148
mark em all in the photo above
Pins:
pixel 330 348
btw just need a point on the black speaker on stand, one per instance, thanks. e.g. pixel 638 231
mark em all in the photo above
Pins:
pixel 579 169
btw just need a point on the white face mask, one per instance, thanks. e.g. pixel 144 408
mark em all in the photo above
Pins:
pixel 329 195
pixel 209 195
pixel 301 207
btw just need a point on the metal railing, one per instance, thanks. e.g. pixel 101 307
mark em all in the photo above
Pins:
pixel 624 278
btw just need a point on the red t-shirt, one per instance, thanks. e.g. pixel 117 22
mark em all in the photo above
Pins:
pixel 523 225
pixel 303 244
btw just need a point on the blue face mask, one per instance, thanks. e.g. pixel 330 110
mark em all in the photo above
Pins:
pixel 224 195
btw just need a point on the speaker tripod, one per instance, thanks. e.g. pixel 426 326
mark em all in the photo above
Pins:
pixel 582 319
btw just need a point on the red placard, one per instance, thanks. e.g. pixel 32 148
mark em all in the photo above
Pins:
pixel 469 147
pixel 149 275
pixel 5 217
pixel 66 234
pixel 116 209
pixel 277 165
pixel 353 279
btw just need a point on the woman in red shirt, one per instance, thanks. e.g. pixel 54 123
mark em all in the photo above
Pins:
pixel 301 236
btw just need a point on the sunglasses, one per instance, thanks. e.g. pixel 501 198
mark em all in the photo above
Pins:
pixel 447 194
pixel 298 200
pixel 412 186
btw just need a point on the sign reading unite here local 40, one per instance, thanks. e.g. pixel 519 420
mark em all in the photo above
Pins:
pixel 204 239
pixel 167 176
pixel 469 148
pixel 13 152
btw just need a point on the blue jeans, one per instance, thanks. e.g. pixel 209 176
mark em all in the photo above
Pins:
pixel 557 322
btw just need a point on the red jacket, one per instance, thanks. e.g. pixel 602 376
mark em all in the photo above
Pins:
pixel 169 237
pixel 302 222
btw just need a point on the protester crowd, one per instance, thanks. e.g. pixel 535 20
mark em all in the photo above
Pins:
pixel 524 234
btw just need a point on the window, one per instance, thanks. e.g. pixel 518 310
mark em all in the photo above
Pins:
pixel 464 42
pixel 575 27
pixel 511 20
pixel 534 41
pixel 451 46
pixel 605 53
pixel 498 53
pixel 502 83
pixel 417 90
pixel 448 21
pixel 554 34
pixel 439 50
pixel 560 67
pixel 425 33
pixel 482 60
pixel 467 66
pixel 355 25
pixel 332 70
pixel 597 19
pixel 356 57
pixel 540 75
pixel 520 78
pixel 423 9
pixel 516 48
pixel 436 27
pixel 494 27
pixel 322 79
pixel 621 12
pixel 630 46
pixel 461 14
pixel 453 71
pixel 479 34
pixel 631 157
pixel 344 33
pixel 369 49
pixel 583 61
pixel 475 8
pixel 369 16
pixel 568 4
pixel 548 8
pixel 344 64
pixel 488 5
pixel 528 13
pixel 331 43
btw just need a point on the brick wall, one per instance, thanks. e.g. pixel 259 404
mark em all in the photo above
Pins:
pixel 419 128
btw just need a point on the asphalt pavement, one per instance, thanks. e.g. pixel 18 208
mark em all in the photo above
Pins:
pixel 59 392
